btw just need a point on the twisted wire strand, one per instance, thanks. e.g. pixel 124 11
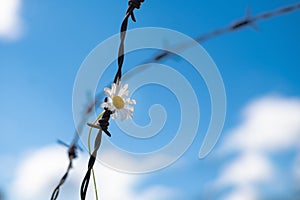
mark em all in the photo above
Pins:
pixel 248 21
pixel 73 148
pixel 104 123
pixel 72 155
pixel 86 179
pixel 245 22
pixel 104 120
pixel 132 4
pixel 277 12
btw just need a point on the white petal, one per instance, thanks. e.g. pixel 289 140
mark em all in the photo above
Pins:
pixel 127 101
pixel 124 90
pixel 113 89
pixel 115 115
pixel 111 108
pixel 107 91
pixel 125 87
pixel 129 108
pixel 129 113
pixel 124 94
pixel 132 101
pixel 118 87
pixel 123 115
pixel 109 100
pixel 103 105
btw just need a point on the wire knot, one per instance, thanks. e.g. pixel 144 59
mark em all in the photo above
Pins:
pixel 104 121
pixel 72 152
pixel 132 5
pixel 135 3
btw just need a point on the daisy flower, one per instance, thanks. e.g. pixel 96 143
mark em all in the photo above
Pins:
pixel 118 101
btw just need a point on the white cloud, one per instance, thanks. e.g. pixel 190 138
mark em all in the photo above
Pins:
pixel 270 125
pixel 247 169
pixel 242 193
pixel 39 172
pixel 133 163
pixel 10 20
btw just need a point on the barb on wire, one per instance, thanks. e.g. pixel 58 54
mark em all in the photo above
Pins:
pixel 72 155
pixel 245 22
pixel 72 150
pixel 102 122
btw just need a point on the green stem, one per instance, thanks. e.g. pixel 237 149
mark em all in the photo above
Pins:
pixel 89 148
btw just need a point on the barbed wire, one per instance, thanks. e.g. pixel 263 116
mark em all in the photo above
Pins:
pixel 129 13
pixel 86 179
pixel 247 21
pixel 72 155
pixel 72 148
pixel 104 120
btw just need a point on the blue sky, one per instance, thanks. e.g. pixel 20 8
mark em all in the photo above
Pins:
pixel 43 44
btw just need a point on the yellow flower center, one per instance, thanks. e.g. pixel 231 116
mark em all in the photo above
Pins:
pixel 118 102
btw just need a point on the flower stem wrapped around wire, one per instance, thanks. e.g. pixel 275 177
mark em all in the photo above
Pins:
pixel 116 103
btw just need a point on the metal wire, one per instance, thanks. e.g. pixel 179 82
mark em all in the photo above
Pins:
pixel 104 121
pixel 72 155
pixel 132 4
pixel 72 150
pixel 86 179
pixel 247 21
